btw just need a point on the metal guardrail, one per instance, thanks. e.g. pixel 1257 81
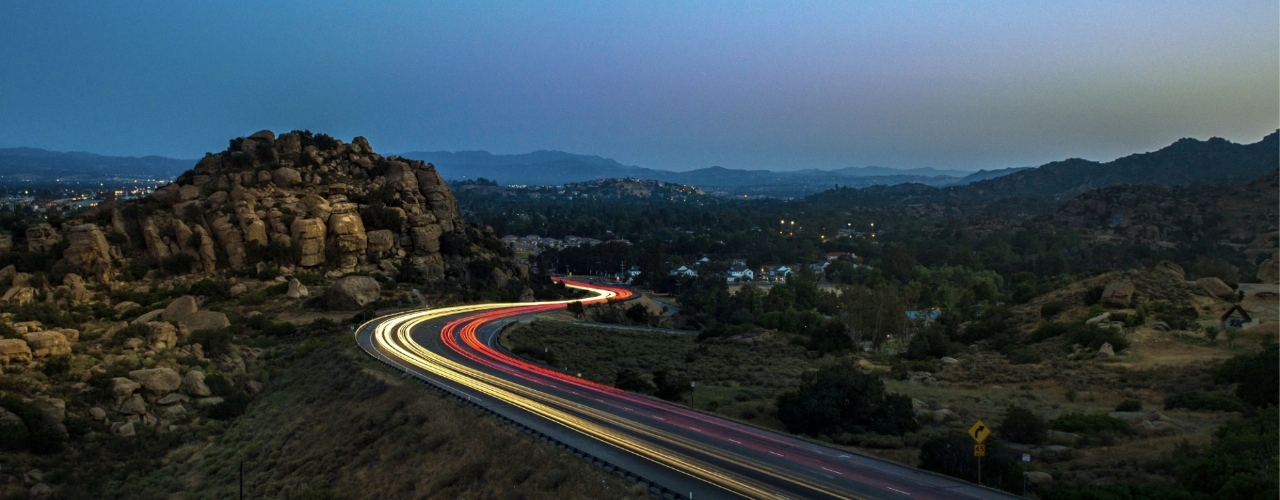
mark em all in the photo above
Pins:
pixel 655 489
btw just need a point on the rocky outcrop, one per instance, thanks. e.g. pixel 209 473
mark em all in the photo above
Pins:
pixel 1215 287
pixel 1118 293
pixel 88 252
pixel 42 238
pixel 1269 272
pixel 1171 269
pixel 47 343
pixel 158 381
pixel 297 290
pixel 352 292
pixel 308 235
pixel 185 311
pixel 14 351
pixel 347 233
pixel 193 384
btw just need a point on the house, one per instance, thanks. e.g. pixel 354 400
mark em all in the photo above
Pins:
pixel 818 268
pixel 776 273
pixel 684 271
pixel 740 272
pixel 836 255
pixel 633 271
pixel 1236 317
pixel 927 316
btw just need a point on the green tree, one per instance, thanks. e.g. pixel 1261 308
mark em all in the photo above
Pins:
pixel 841 398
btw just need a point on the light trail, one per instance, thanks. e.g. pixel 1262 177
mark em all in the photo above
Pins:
pixel 656 442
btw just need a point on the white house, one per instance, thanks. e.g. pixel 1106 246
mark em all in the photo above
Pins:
pixel 740 272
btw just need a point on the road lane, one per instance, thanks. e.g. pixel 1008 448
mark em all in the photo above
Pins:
pixel 685 450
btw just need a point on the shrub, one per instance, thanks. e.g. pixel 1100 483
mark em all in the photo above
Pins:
pixel 1093 295
pixel 56 366
pixel 232 406
pixel 1257 376
pixel 177 264
pixel 841 398
pixel 929 343
pixel 1022 356
pixel 1021 425
pixel 1205 401
pixel 1129 405
pixel 1051 309
pixel 902 368
pixel 1088 423
pixel 631 380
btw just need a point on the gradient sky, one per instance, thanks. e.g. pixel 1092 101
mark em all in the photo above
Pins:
pixel 682 85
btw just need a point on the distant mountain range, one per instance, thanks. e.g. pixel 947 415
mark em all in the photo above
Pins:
pixel 558 167
pixel 1186 162
pixel 38 165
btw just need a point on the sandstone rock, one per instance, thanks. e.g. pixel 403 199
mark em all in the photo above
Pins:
pixel 71 334
pixel 285 177
pixel 255 231
pixel 98 413
pixel 203 402
pixel 1269 272
pixel 349 239
pixel 266 135
pixel 203 244
pixel 1215 287
pixel 1106 351
pixel 88 251
pixel 163 335
pixel 52 410
pixel 317 207
pixel 180 308
pixel 1063 438
pixel 40 491
pixel 188 193
pixel 123 429
pixel 1101 318
pixel 1171 269
pixel 6 242
pixel 380 242
pixel 155 243
pixel 157 380
pixel 231 239
pixel 149 316
pixel 122 387
pixel 297 290
pixel 7 274
pixel 172 411
pixel 42 237
pixel 426 239
pixel 352 292
pixel 947 360
pixel 1118 294
pixel 125 306
pixel 172 398
pixel 133 405
pixel 48 343
pixel 14 351
pixel 193 384
pixel 309 235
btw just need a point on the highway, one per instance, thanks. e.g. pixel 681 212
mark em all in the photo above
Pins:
pixel 688 453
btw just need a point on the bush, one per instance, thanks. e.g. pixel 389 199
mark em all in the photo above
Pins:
pixel 1129 405
pixel 1257 376
pixel 1205 401
pixel 841 398
pixel 929 343
pixel 232 406
pixel 56 366
pixel 1088 423
pixel 631 380
pixel 1093 295
pixel 177 264
pixel 1051 309
pixel 1080 333
pixel 902 368
pixel 1021 425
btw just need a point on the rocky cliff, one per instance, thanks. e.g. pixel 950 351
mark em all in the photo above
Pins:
pixel 299 201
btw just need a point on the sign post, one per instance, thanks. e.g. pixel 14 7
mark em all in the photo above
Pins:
pixel 979 432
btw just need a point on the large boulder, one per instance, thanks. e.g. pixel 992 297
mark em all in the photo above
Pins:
pixel 162 335
pixel 193 384
pixel 88 251
pixel 1215 287
pixel 308 235
pixel 42 237
pixel 352 292
pixel 380 241
pixel 184 310
pixel 1171 269
pixel 232 240
pixel 180 308
pixel 297 290
pixel 349 239
pixel 47 343
pixel 159 381
pixel 14 351
pixel 285 177
pixel 122 387
pixel 1118 293
pixel 1269 272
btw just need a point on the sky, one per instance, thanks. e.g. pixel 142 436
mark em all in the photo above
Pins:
pixel 672 85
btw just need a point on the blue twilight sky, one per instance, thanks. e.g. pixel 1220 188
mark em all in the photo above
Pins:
pixel 680 85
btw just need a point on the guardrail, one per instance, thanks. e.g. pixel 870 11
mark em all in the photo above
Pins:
pixel 655 489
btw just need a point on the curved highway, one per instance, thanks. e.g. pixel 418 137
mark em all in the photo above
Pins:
pixel 691 454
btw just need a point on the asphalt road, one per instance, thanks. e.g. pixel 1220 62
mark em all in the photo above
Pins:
pixel 692 454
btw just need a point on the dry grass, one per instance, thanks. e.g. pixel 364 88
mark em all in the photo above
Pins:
pixel 336 424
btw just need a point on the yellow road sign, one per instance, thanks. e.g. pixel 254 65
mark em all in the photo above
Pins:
pixel 979 431
pixel 979 450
